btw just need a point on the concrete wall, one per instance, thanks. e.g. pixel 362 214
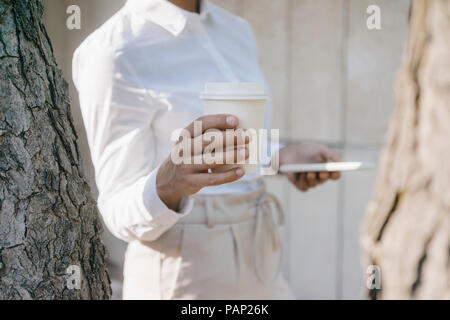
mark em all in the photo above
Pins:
pixel 332 81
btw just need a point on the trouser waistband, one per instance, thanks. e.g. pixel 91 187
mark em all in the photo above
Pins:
pixel 224 208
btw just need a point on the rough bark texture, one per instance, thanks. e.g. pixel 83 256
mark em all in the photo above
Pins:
pixel 48 219
pixel 406 231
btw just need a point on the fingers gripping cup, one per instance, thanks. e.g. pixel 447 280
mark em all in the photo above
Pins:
pixel 245 100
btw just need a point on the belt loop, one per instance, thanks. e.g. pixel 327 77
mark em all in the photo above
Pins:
pixel 209 212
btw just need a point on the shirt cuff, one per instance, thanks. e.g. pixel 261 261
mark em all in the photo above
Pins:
pixel 157 208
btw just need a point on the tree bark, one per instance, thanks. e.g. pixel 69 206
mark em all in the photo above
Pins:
pixel 48 219
pixel 406 231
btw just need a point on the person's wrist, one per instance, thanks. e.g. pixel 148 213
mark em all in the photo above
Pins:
pixel 285 154
pixel 166 192
pixel 168 197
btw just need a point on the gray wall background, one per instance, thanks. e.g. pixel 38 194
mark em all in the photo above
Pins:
pixel 332 81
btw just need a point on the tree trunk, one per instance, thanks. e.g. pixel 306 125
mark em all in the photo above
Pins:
pixel 406 231
pixel 48 219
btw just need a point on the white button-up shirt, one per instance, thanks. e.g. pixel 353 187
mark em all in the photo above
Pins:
pixel 139 77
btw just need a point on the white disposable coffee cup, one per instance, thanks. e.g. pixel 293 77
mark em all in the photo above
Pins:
pixel 247 101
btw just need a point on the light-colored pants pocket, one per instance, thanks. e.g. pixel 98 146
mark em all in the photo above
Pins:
pixel 208 260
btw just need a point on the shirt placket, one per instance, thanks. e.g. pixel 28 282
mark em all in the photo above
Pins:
pixel 218 58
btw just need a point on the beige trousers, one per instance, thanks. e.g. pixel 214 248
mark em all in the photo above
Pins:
pixel 228 247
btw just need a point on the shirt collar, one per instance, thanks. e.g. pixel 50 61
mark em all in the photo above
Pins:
pixel 166 14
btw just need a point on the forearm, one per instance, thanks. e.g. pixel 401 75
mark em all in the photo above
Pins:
pixel 137 212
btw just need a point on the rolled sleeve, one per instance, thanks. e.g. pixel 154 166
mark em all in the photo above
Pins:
pixel 139 213
pixel 158 208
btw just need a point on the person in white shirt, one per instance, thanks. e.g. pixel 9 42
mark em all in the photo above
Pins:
pixel 192 233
